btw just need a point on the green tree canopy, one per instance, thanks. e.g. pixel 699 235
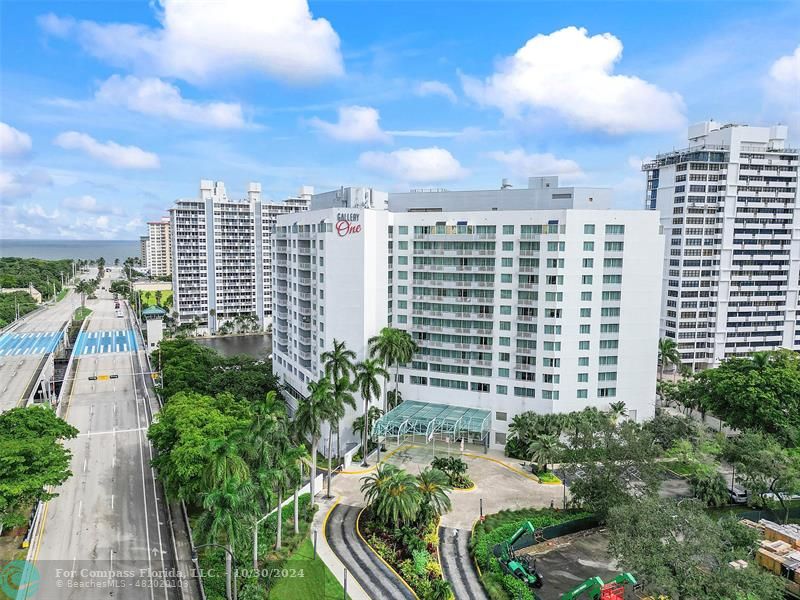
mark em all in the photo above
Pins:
pixel 677 550
pixel 761 393
pixel 183 432
pixel 31 458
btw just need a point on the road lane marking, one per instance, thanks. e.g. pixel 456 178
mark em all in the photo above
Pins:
pixel 114 431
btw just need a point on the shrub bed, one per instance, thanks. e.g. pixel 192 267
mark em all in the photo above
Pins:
pixel 414 554
pixel 499 527
pixel 548 477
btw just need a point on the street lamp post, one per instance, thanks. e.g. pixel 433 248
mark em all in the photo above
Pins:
pixel 231 596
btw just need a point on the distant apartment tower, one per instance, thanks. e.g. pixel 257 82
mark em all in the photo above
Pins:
pixel 159 248
pixel 539 298
pixel 221 256
pixel 730 215
pixel 143 240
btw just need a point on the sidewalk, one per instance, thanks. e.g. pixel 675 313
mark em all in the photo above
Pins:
pixel 354 590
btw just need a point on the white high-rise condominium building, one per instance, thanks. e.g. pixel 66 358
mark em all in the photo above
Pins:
pixel 729 210
pixel 159 248
pixel 538 299
pixel 222 262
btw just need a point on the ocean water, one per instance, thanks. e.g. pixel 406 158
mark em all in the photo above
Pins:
pixel 82 249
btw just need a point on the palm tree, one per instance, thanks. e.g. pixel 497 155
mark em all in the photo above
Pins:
pixel 284 465
pixel 616 410
pixel 544 450
pixel 760 360
pixel 311 413
pixel 338 361
pixel 393 398
pixel 374 483
pixel 433 487
pixel 373 414
pixel 302 456
pixel 226 509
pixel 225 463
pixel 709 486
pixel 392 494
pixel 392 347
pixel 667 354
pixel 368 372
pixel 400 500
pixel 340 399
pixel 84 288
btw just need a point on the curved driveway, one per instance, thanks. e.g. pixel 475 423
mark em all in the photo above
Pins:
pixel 362 563
pixel 457 565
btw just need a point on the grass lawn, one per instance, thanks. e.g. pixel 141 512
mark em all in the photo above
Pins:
pixel 548 477
pixel 316 583
pixel 149 298
pixel 61 294
pixel 680 467
pixel 81 313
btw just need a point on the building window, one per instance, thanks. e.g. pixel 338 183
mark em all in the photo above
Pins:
pixel 583 361
pixel 505 310
pixel 583 345
pixel 402 275
pixel 502 390
pixel 586 312
pixel 606 392
pixel 499 438
pixel 586 296
pixel 583 393
pixel 508 246
pixel 588 229
pixel 550 394
pixel 402 289
pixel 478 387
pixel 588 246
pixel 505 341
pixel 615 229
pixel 583 377
pixel 403 230
pixel 505 325
pixel 614 246
pixel 586 280
pixel 506 262
pixel 505 278
pixel 402 319
pixel 585 329
pixel 402 245
pixel 505 356
pixel 500 416
pixel 419 380
pixel 505 294
pixel 501 372
pixel 508 229
pixel 588 263
pixel 524 392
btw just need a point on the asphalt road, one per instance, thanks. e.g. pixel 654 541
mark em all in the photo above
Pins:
pixel 362 563
pixel 457 565
pixel 106 535
pixel 17 370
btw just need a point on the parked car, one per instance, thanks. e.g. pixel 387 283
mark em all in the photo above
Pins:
pixel 738 494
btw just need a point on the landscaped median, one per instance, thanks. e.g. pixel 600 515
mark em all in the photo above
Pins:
pixel 410 550
pixel 500 527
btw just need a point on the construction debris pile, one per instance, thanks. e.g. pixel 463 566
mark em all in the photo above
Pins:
pixel 779 551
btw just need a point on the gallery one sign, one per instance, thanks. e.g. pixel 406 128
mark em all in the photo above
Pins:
pixel 347 223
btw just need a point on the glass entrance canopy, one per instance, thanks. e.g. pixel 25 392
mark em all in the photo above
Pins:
pixel 441 421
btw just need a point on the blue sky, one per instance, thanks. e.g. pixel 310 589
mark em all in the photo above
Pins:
pixel 109 111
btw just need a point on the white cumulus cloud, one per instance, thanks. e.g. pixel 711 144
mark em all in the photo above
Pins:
pixel 523 164
pixel 355 124
pixel 783 85
pixel 123 157
pixel 422 165
pixel 154 97
pixel 89 204
pixel 570 74
pixel 21 185
pixel 197 41
pixel 13 142
pixel 435 88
